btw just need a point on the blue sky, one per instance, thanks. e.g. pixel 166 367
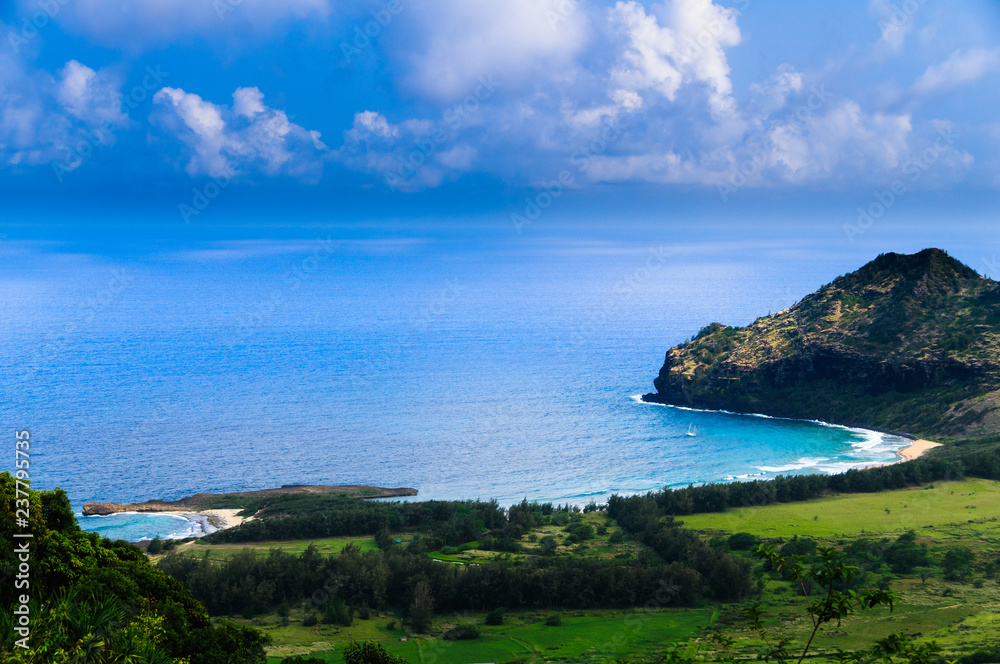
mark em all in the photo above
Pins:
pixel 209 111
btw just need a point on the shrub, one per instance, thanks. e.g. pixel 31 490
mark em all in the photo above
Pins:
pixel 155 546
pixel 616 537
pixel 369 652
pixel 743 541
pixel 284 610
pixel 494 617
pixel 299 659
pixel 364 613
pixel 337 613
pixel 461 633
pixel 553 621
pixel 310 620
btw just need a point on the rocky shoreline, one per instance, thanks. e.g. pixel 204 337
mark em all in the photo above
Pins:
pixel 206 501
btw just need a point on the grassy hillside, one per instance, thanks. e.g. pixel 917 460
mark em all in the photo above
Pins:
pixel 966 510
pixel 908 343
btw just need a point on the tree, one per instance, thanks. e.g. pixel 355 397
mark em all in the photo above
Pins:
pixel 957 563
pixel 422 608
pixel 832 601
pixel 155 546
pixel 369 652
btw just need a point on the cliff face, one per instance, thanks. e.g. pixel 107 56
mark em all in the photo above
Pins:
pixel 908 343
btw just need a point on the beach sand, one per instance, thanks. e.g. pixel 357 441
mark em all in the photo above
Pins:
pixel 206 522
pixel 222 519
pixel 916 448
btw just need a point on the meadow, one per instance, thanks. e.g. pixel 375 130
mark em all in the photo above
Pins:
pixel 524 635
pixel 943 511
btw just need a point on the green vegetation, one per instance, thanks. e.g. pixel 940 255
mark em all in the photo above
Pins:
pixel 967 509
pixel 324 546
pixel 524 636
pixel 906 343
pixel 94 600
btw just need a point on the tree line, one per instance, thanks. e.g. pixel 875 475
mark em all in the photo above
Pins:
pixel 952 463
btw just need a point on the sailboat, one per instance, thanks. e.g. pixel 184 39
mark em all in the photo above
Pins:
pixel 691 430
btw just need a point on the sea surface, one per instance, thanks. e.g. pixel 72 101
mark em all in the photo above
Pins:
pixel 506 370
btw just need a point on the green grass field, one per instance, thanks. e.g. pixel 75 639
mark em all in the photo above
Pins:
pixel 582 634
pixel 326 546
pixel 950 511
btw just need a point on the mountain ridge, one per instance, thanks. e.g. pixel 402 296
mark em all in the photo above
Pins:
pixel 908 343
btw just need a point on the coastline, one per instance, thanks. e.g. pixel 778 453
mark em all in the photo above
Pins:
pixel 916 449
pixel 208 521
pixel 197 523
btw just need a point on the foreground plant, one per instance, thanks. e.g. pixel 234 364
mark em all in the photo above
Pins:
pixel 833 599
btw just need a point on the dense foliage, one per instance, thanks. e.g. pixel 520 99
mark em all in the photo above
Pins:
pixel 396 579
pixel 97 600
pixel 306 516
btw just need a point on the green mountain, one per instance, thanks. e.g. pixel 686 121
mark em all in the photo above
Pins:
pixel 907 343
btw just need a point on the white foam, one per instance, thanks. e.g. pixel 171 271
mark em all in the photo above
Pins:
pixel 804 462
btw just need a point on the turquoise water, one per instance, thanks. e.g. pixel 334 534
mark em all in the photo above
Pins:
pixel 133 526
pixel 504 371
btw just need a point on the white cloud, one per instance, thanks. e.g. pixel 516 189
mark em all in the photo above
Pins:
pixel 773 94
pixel 59 118
pixel 448 45
pixel 409 156
pixel 682 42
pixel 894 23
pixel 843 142
pixel 962 67
pixel 232 142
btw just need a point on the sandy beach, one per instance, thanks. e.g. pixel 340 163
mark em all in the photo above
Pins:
pixel 916 448
pixel 222 519
pixel 206 522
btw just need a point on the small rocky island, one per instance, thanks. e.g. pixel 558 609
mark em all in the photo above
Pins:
pixel 907 343
pixel 206 501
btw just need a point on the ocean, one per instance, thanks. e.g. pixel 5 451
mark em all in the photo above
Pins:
pixel 464 369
